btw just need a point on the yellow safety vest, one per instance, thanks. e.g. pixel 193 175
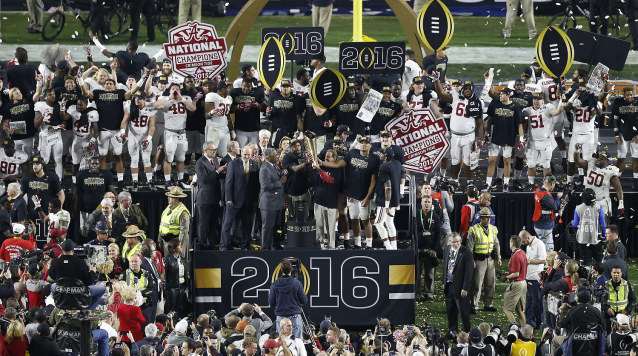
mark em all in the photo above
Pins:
pixel 170 222
pixel 128 251
pixel 523 348
pixel 618 300
pixel 142 281
pixel 483 244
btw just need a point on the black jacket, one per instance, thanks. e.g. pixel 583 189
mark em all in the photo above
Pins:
pixel 43 346
pixel 462 273
pixel 171 273
pixel 580 314
pixel 431 226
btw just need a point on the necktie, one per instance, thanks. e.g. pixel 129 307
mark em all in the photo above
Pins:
pixel 212 163
pixel 277 169
pixel 450 265
pixel 108 221
pixel 126 212
pixel 246 167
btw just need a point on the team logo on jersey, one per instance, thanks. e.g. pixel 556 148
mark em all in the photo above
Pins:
pixel 435 25
pixel 271 62
pixel 327 88
pixel 554 51
pixel 422 137
pixel 195 49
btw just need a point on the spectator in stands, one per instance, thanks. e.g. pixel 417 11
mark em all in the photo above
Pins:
pixel 127 209
pixel 69 266
pixel 612 235
pixel 613 260
pixel 130 315
pixel 176 278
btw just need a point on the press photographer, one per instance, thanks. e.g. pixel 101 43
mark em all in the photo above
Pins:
pixel 523 344
pixel 622 338
pixel 621 297
pixel 581 314
pixel 73 267
pixel 477 346
pixel 11 247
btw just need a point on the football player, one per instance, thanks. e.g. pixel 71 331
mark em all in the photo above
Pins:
pixel 139 116
pixel 50 130
pixel 387 198
pixel 12 163
pixel 219 126
pixel 600 176
pixel 85 130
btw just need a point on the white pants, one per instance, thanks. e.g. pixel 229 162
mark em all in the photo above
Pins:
pixel 109 141
pixel 176 146
pixel 78 146
pixel 219 135
pixel 627 147
pixel 25 145
pixel 495 150
pixel 540 153
pixel 460 148
pixel 244 137
pixel 588 142
pixel 383 221
pixel 356 211
pixel 325 218
pixel 135 146
pixel 51 142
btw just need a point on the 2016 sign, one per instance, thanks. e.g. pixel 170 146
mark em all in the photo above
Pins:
pixel 422 137
pixel 371 58
pixel 298 42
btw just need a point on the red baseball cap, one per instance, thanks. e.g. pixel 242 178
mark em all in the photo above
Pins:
pixel 160 326
pixel 270 343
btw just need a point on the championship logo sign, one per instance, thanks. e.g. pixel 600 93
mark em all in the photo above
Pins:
pixel 422 137
pixel 554 51
pixel 327 88
pixel 271 62
pixel 297 42
pixel 194 49
pixel 435 25
pixel 371 58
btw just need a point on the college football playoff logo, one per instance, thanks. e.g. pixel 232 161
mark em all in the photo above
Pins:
pixel 194 49
pixel 554 51
pixel 271 62
pixel 327 88
pixel 435 25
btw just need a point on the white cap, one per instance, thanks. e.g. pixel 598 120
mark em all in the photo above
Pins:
pixel 18 228
pixel 622 319
pixel 181 326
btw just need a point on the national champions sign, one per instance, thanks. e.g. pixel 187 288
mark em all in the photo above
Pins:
pixel 195 49
pixel 422 137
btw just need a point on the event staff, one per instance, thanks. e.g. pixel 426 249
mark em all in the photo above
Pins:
pixel 133 245
pixel 484 201
pixel 175 220
pixel 536 256
pixel 458 265
pixel 621 298
pixel 388 196
pixel 482 240
pixel 615 345
pixel 287 298
pixel 427 232
pixel 589 219
pixel 271 196
pixel 545 207
pixel 143 281
pixel 209 174
pixel 242 189
pixel 514 296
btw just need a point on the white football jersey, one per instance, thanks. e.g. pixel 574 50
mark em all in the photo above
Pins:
pixel 417 101
pixel 549 89
pixel 139 125
pixel 599 179
pixel 221 110
pixel 541 123
pixel 175 116
pixel 412 70
pixel 47 112
pixel 459 122
pixel 584 122
pixel 172 78
pixel 84 130
pixel 299 89
pixel 11 165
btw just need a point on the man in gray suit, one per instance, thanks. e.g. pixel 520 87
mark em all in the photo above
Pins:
pixel 271 196
pixel 209 174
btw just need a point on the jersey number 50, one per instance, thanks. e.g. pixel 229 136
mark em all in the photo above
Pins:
pixel 595 179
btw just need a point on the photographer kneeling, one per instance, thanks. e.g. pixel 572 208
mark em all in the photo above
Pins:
pixel 617 344
pixel 70 266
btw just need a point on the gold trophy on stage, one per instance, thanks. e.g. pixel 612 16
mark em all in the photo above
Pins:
pixel 310 138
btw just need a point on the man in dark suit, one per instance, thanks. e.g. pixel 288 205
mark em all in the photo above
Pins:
pixel 271 196
pixel 242 190
pixel 209 195
pixel 458 269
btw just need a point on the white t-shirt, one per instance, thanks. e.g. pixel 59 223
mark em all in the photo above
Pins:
pixel 535 251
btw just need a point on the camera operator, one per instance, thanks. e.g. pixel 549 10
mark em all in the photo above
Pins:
pixel 616 346
pixel 261 321
pixel 70 266
pixel 621 298
pixel 477 347
pixel 524 344
pixel 581 314
pixel 287 297
pixel 11 247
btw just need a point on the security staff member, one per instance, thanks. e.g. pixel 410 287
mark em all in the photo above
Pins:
pixel 175 220
pixel 483 241
pixel 615 345
pixel 621 298
pixel 427 233
pixel 133 246
pixel 142 280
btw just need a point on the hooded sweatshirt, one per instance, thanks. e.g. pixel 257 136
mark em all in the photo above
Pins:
pixel 287 296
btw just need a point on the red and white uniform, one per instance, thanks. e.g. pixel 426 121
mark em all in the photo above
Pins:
pixel 216 130
pixel 599 179
pixel 461 129
pixel 81 134
pixel 540 135
pixel 299 89
pixel 10 166
pixel 583 132
pixel 174 129
pixel 418 101
pixel 50 137
pixel 137 133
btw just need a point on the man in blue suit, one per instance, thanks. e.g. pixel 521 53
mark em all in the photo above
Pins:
pixel 271 196
pixel 209 194
pixel 242 189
